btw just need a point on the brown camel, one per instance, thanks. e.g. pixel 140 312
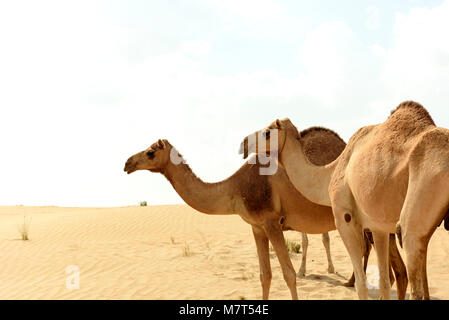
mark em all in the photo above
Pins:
pixel 295 158
pixel 388 173
pixel 269 203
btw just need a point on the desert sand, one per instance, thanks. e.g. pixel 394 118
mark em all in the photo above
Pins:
pixel 166 252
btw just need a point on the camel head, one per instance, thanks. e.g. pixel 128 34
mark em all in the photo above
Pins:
pixel 155 158
pixel 262 141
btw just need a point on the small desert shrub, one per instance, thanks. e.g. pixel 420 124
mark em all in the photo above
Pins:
pixel 172 240
pixel 143 203
pixel 293 246
pixel 186 250
pixel 24 228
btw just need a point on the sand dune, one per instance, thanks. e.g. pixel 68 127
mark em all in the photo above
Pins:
pixel 165 252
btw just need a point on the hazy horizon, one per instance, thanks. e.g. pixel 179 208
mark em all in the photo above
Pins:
pixel 86 84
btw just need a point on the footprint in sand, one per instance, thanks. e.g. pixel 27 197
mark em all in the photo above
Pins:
pixel 308 289
pixel 316 296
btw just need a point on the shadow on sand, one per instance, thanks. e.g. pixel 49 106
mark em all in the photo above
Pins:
pixel 372 293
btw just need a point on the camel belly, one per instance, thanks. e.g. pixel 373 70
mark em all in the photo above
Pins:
pixel 307 222
pixel 374 225
pixel 379 186
pixel 383 206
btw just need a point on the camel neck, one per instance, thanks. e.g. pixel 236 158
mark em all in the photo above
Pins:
pixel 209 198
pixel 309 179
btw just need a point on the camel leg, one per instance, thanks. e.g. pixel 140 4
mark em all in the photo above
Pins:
pixel 277 239
pixel 426 295
pixel 391 273
pixel 369 241
pixel 421 213
pixel 352 235
pixel 415 251
pixel 305 245
pixel 351 281
pixel 381 243
pixel 264 260
pixel 399 269
pixel 327 246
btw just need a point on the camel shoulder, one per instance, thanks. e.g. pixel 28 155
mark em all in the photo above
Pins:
pixel 434 138
pixel 432 144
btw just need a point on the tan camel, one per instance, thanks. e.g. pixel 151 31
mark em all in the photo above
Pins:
pixel 396 171
pixel 293 146
pixel 269 203
pixel 322 146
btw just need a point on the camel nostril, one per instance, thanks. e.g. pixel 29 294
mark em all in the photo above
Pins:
pixel 127 165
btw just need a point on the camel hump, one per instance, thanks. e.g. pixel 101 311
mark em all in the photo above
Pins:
pixel 321 145
pixel 412 112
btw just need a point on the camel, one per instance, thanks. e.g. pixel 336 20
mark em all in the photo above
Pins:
pixel 269 203
pixel 291 142
pixel 390 178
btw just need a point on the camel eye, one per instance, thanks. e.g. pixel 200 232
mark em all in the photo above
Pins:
pixel 150 154
pixel 266 133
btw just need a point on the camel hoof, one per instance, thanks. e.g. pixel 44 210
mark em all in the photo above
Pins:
pixel 301 274
pixel 331 269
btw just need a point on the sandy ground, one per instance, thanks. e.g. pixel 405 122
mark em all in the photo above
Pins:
pixel 165 252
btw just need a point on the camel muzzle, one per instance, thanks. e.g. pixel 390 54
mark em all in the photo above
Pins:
pixel 130 166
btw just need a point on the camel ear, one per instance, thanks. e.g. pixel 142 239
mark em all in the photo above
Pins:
pixel 161 144
pixel 278 124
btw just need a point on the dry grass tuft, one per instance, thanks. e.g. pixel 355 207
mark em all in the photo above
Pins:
pixel 293 246
pixel 24 228
pixel 186 250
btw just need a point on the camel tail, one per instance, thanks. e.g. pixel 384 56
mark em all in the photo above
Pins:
pixel 399 233
pixel 446 221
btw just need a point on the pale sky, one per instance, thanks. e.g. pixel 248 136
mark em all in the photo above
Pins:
pixel 86 84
